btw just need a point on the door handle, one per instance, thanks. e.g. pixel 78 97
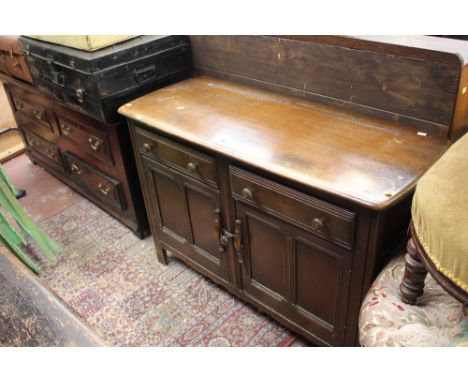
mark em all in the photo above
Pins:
pixel 238 240
pixel 217 223
pixel 221 234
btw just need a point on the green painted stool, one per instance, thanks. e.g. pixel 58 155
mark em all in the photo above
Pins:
pixel 439 228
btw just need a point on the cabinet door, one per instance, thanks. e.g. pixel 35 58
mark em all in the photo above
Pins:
pixel 188 216
pixel 293 272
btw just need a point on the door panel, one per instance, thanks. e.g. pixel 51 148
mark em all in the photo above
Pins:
pixel 316 271
pixel 294 273
pixel 184 210
pixel 170 198
pixel 201 206
pixel 267 247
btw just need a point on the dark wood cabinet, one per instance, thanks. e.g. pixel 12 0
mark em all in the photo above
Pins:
pixel 92 157
pixel 274 199
pixel 287 265
pixel 187 215
pixel 292 252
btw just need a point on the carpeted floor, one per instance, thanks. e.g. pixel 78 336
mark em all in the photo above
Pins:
pixel 114 281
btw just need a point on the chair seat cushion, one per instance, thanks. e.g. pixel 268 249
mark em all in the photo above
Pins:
pixel 440 213
pixel 386 321
pixel 461 339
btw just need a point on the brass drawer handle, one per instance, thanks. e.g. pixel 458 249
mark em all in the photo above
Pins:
pixel 38 114
pixel 318 224
pixel 32 142
pixel 192 166
pixel 104 189
pixel 50 153
pixel 95 143
pixel 16 64
pixel 66 128
pixel 76 169
pixel 19 105
pixel 147 147
pixel 247 193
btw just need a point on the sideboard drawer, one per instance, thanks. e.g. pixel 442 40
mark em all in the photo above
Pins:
pixel 43 147
pixel 195 164
pixel 326 220
pixel 88 138
pixel 101 185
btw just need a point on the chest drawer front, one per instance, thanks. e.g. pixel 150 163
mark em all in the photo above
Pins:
pixel 101 185
pixel 88 138
pixel 323 219
pixel 194 164
pixel 43 147
pixel 32 110
pixel 15 66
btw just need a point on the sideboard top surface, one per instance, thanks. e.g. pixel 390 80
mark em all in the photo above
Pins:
pixel 363 159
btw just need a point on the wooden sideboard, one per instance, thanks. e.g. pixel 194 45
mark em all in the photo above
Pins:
pixel 288 204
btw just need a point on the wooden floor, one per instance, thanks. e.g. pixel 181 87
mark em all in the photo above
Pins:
pixel 31 315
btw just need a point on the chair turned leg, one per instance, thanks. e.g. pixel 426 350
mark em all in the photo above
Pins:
pixel 412 285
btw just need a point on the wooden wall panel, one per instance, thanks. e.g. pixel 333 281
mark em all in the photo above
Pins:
pixel 414 91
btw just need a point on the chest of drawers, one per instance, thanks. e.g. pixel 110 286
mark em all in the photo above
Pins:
pixel 274 199
pixel 92 157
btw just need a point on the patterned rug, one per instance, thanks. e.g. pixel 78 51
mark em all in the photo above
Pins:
pixel 114 282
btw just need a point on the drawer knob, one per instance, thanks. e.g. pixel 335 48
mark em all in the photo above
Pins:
pixel 94 143
pixel 32 142
pixel 192 167
pixel 318 224
pixel 104 189
pixel 19 105
pixel 147 147
pixel 16 64
pixel 247 193
pixel 76 169
pixel 66 128
pixel 38 114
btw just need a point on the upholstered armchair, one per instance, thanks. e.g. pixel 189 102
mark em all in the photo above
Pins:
pixel 439 228
pixel 421 298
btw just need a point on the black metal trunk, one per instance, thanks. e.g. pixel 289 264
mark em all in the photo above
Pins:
pixel 97 83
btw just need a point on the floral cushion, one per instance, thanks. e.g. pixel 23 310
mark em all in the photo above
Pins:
pixel 386 321
pixel 461 339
